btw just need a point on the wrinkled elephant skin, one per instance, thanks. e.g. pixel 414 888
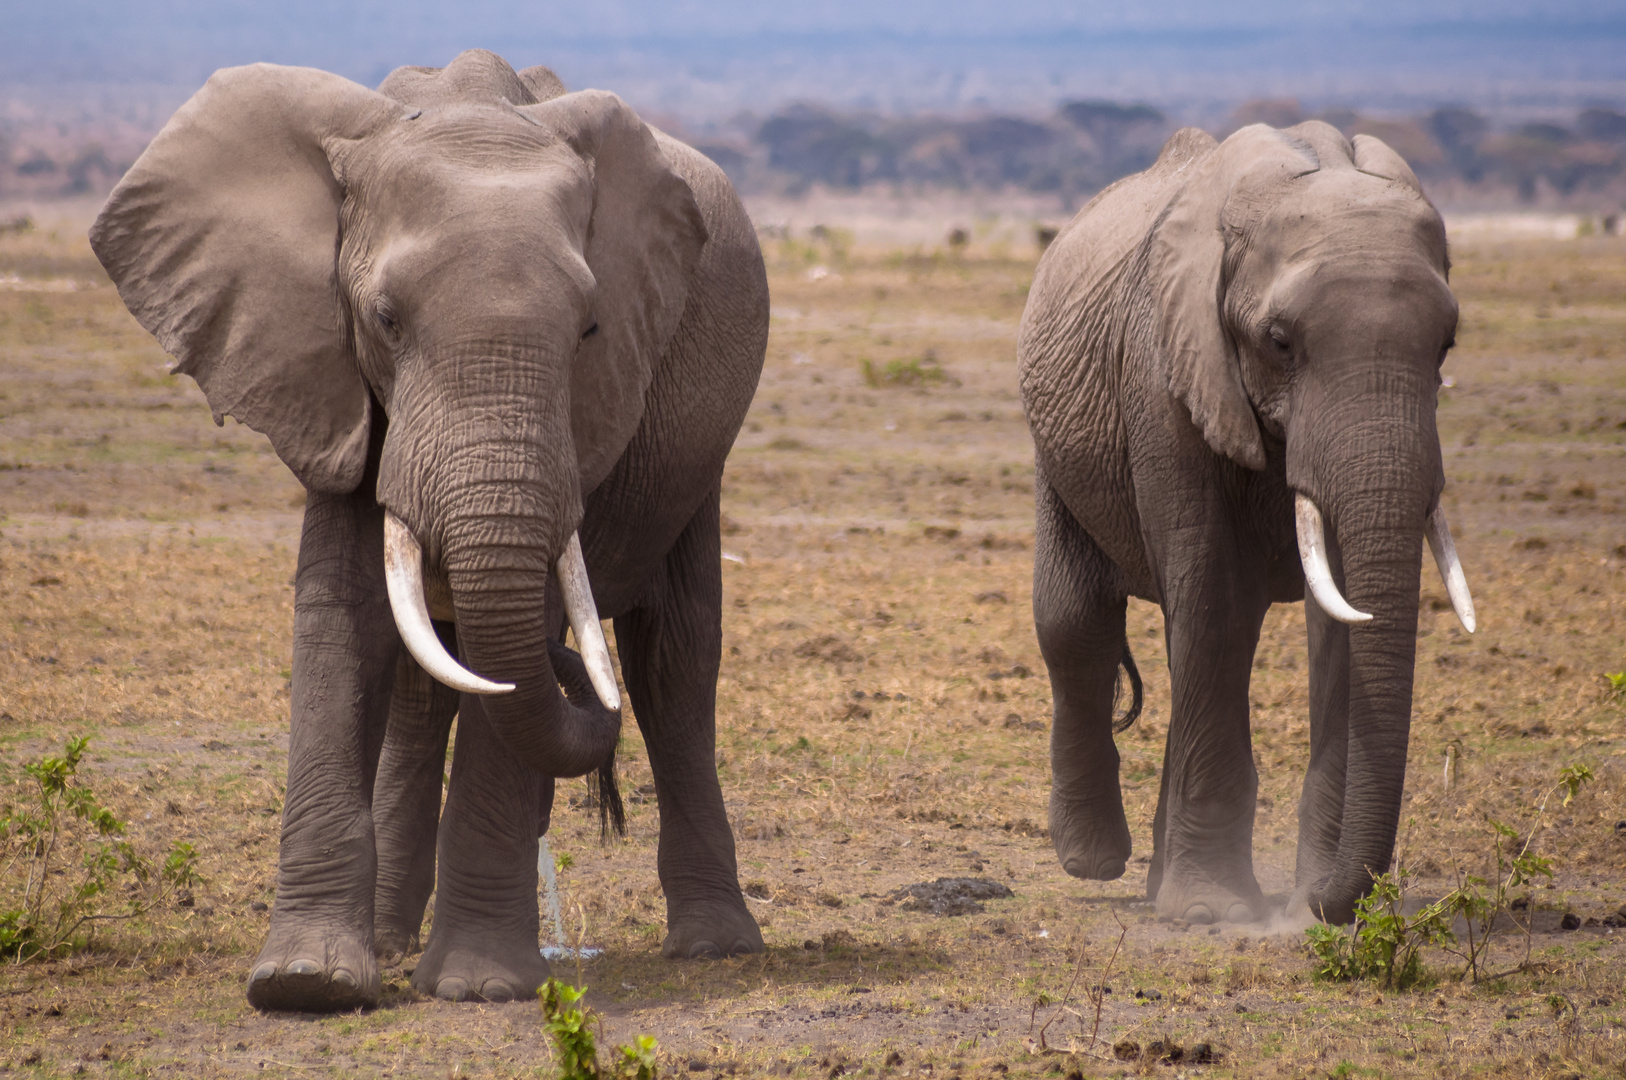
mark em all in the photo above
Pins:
pixel 1245 328
pixel 511 317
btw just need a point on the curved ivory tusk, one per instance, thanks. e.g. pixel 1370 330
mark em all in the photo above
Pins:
pixel 1445 557
pixel 1317 573
pixel 403 572
pixel 595 653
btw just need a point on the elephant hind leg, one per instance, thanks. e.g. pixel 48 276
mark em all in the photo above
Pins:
pixel 406 801
pixel 1078 608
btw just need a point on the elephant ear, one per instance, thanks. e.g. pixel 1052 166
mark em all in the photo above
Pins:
pixel 643 242
pixel 222 240
pixel 1185 266
pixel 1374 157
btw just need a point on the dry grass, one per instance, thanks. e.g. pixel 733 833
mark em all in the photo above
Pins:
pixel 883 711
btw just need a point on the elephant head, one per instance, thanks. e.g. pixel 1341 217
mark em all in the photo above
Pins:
pixel 1301 287
pixel 495 265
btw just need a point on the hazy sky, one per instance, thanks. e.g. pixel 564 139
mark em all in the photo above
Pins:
pixel 706 58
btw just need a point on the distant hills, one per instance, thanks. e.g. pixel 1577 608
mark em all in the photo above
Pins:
pixel 1460 154
pixel 1493 101
pixel 1466 159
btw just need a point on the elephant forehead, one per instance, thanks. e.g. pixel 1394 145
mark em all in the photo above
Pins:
pixel 427 191
pixel 1344 213
pixel 436 146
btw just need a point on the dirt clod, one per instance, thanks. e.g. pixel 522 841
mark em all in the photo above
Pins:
pixel 950 896
pixel 1126 1050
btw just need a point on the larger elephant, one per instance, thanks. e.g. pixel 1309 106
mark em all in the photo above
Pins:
pixel 505 336
pixel 1230 366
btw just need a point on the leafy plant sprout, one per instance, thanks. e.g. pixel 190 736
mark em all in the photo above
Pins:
pixel 1385 944
pixel 574 1039
pixel 59 818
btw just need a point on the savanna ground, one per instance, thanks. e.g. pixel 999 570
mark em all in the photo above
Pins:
pixel 883 712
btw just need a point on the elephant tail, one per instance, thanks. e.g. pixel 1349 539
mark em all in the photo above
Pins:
pixel 1127 666
pixel 611 814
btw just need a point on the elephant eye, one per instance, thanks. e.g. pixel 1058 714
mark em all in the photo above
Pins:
pixel 386 321
pixel 590 331
pixel 1279 338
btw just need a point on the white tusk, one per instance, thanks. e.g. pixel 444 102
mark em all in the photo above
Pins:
pixel 403 572
pixel 1445 557
pixel 1317 573
pixel 595 653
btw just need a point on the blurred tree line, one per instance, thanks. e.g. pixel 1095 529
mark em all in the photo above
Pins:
pixel 1462 156
pixel 1085 145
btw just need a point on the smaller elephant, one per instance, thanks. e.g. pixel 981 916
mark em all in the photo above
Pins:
pixel 505 336
pixel 1230 363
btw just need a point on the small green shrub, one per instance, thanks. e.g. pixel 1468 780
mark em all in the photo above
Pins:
pixel 59 821
pixel 1383 944
pixel 571 1030
pixel 920 371
pixel 1479 900
pixel 1616 690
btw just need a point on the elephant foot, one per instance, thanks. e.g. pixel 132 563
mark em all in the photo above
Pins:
pixel 302 969
pixel 391 944
pixel 1091 842
pixel 1325 901
pixel 493 967
pixel 711 934
pixel 1202 901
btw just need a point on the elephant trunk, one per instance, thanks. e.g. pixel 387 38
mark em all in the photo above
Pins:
pixel 499 585
pixel 1371 464
pixel 1381 576
pixel 479 465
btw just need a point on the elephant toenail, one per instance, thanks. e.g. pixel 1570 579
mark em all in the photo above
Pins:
pixel 452 989
pixel 301 968
pixel 496 991
pixel 1239 913
pixel 1199 914
pixel 343 979
pixel 264 973
pixel 704 950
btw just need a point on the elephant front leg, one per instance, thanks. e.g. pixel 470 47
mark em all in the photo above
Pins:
pixel 670 650
pixel 1321 807
pixel 406 801
pixel 1078 610
pixel 318 954
pixel 483 942
pixel 1203 865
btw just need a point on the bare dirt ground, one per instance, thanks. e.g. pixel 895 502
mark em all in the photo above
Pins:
pixel 883 712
